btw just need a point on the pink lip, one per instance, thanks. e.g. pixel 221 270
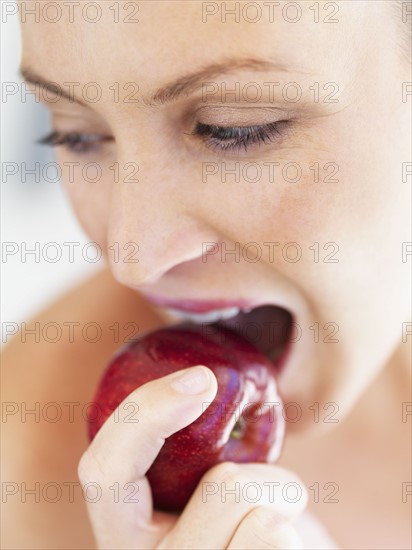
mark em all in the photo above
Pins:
pixel 198 306
pixel 204 306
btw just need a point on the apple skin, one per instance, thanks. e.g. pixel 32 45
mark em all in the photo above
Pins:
pixel 246 400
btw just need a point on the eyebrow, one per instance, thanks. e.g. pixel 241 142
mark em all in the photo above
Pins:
pixel 182 86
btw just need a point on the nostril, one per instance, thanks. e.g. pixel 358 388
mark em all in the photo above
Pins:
pixel 135 276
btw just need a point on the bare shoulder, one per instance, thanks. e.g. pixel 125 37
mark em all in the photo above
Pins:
pixel 49 374
pixel 62 351
pixel 99 314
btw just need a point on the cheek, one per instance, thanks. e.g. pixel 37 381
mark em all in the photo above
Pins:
pixel 89 185
pixel 345 218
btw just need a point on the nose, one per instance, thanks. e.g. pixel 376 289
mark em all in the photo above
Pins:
pixel 155 222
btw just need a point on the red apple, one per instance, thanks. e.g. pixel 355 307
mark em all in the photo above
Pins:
pixel 243 424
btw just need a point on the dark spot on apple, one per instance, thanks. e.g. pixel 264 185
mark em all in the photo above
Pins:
pixel 238 429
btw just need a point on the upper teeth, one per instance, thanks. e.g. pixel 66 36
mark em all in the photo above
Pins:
pixel 209 317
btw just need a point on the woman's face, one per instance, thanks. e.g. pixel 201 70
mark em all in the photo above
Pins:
pixel 279 124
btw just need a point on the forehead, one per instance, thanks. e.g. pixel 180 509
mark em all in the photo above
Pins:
pixel 155 41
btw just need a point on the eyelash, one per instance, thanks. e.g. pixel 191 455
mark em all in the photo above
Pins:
pixel 75 142
pixel 234 138
pixel 218 138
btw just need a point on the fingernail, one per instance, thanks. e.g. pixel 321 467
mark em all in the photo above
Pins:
pixel 193 381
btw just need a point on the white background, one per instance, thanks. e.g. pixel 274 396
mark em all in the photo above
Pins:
pixel 33 211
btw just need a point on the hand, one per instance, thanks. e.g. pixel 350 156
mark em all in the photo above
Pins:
pixel 122 452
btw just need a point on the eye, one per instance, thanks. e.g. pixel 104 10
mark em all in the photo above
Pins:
pixel 234 138
pixel 76 142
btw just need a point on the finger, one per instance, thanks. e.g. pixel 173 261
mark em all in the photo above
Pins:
pixel 265 529
pixel 231 491
pixel 122 452
pixel 313 534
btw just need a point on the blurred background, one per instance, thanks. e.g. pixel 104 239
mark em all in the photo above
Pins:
pixel 34 208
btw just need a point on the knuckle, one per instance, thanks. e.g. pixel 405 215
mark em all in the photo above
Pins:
pixel 270 529
pixel 288 476
pixel 301 499
pixel 229 479
pixel 294 490
pixel 225 472
pixel 266 518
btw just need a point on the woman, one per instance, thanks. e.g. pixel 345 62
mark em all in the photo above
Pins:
pixel 226 155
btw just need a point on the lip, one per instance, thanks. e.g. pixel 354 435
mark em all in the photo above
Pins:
pixel 191 306
pixel 293 378
pixel 200 306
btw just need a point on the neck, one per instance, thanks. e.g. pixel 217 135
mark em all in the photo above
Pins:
pixel 387 395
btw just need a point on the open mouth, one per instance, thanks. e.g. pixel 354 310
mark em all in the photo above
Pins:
pixel 267 327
